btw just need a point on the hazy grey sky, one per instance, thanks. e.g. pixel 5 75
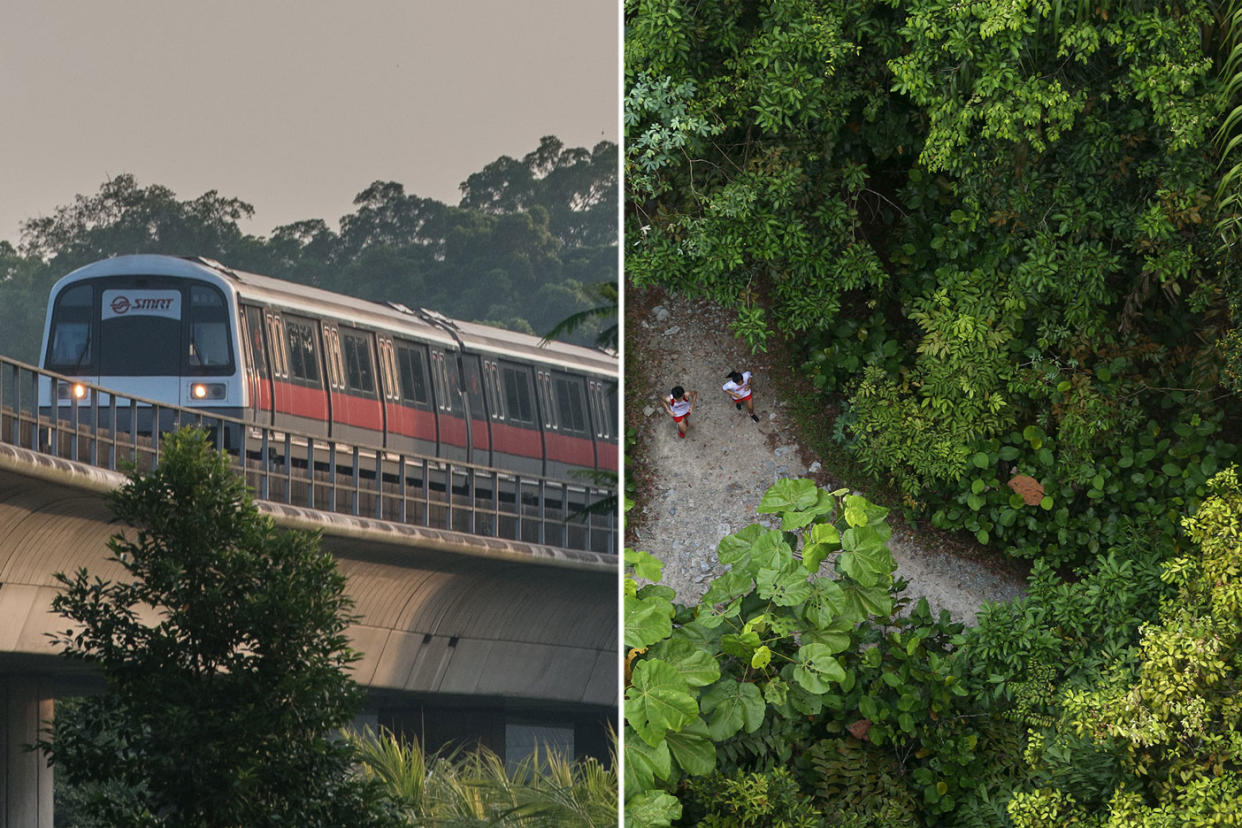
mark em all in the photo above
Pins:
pixel 294 107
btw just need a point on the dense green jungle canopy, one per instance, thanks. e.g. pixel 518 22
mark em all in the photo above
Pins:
pixel 530 243
pixel 1000 240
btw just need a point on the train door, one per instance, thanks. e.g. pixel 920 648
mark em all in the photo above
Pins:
pixel 476 409
pixel 299 399
pixel 603 404
pixel 516 433
pixel 450 408
pixel 257 375
pixel 571 445
pixel 412 421
pixel 358 415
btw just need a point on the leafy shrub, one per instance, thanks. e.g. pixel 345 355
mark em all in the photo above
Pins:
pixel 765 800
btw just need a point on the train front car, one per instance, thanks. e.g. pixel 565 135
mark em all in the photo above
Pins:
pixel 155 328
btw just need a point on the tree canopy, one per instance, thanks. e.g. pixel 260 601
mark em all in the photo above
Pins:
pixel 224 655
pixel 524 249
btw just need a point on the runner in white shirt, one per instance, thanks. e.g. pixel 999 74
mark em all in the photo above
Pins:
pixel 738 387
pixel 679 403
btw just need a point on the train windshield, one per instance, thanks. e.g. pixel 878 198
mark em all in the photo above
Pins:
pixel 70 348
pixel 136 326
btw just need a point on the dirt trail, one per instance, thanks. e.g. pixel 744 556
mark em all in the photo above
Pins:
pixel 707 485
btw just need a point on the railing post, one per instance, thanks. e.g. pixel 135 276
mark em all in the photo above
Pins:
pixel 332 476
pixel 310 472
pixel 263 464
pixel 401 505
pixel 288 469
pixel 379 485
pixel 426 494
pixel 356 483
pixel 543 512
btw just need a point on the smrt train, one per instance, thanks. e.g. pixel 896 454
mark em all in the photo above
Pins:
pixel 194 333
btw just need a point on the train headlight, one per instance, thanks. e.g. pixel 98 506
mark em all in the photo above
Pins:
pixel 208 391
pixel 76 390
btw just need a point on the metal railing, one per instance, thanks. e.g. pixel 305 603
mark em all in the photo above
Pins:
pixel 40 411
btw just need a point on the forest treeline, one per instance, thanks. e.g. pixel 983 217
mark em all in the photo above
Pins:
pixel 527 245
pixel 1000 241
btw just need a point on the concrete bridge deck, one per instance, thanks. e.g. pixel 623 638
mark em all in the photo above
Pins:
pixel 442 614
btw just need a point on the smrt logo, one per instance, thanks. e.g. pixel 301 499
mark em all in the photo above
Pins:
pixel 122 304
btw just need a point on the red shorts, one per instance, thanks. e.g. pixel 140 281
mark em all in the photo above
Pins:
pixel 677 419
pixel 743 399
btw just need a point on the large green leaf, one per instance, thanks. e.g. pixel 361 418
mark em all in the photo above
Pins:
pixel 735 547
pixel 644 763
pixel 859 511
pixel 732 705
pixel 836 636
pixel 651 809
pixel 785 589
pixel 863 601
pixel 825 533
pixel 728 586
pixel 869 568
pixel 658 700
pixel 789 495
pixel 693 749
pixel 645 564
pixel 770 551
pixel 825 602
pixel 742 645
pixel 647 620
pixel 695 665
pixel 816 667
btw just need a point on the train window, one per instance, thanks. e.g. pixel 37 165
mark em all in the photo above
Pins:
pixel 359 374
pixel 303 351
pixel 519 395
pixel 209 350
pixel 280 365
pixel 570 404
pixel 70 346
pixel 440 377
pixel 603 398
pixel 254 336
pixel 412 374
pixel 491 385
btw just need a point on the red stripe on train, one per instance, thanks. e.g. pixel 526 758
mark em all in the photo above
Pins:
pixel 301 401
pixel 577 451
pixel 412 422
pixel 516 440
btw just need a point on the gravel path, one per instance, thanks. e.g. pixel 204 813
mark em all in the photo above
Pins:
pixel 707 485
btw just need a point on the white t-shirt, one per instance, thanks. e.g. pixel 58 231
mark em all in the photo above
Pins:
pixel 739 391
pixel 680 407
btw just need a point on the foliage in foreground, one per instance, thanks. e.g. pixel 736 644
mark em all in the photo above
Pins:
pixel 784 698
pixel 224 655
pixel 476 788
pixel 776 664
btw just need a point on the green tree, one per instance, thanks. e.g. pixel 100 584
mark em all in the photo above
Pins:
pixel 1173 716
pixel 124 217
pixel 224 655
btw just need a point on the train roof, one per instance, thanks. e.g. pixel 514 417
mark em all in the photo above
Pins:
pixel 394 317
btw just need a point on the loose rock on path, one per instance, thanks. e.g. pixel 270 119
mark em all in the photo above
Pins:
pixel 707 485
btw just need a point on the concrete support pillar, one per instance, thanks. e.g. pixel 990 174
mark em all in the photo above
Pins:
pixel 25 778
